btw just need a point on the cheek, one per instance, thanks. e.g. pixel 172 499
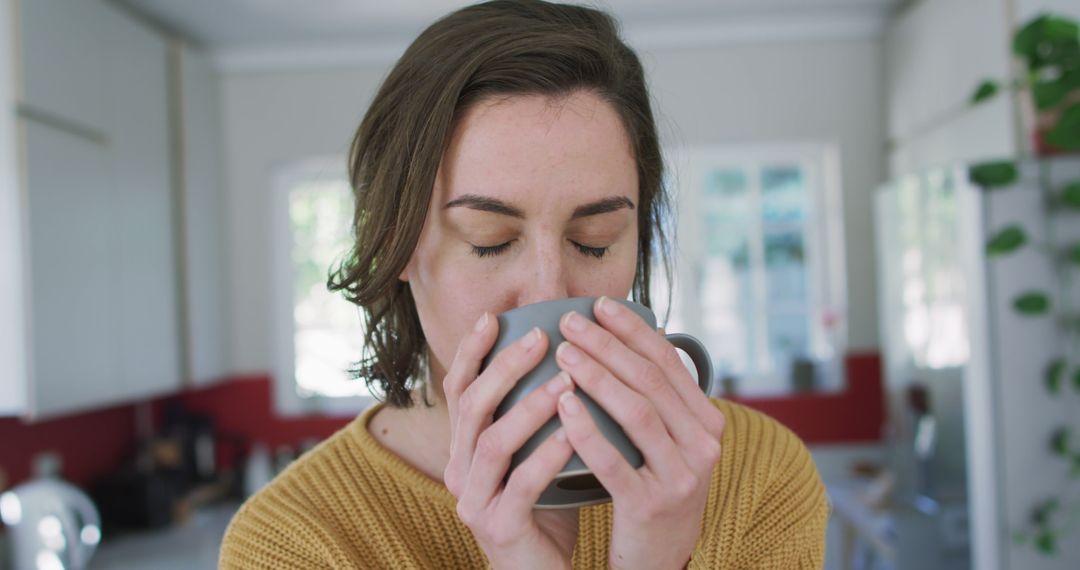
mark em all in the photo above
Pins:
pixel 450 295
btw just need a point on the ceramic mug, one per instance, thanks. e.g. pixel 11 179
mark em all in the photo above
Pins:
pixel 575 485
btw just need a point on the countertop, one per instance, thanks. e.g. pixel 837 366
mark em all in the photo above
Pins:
pixel 192 545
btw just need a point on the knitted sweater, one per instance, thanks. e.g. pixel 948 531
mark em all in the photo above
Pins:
pixel 351 503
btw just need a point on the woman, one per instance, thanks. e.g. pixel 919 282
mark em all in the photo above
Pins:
pixel 511 157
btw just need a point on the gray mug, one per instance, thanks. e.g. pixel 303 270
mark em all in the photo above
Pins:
pixel 575 485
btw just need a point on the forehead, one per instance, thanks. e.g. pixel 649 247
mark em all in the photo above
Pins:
pixel 534 147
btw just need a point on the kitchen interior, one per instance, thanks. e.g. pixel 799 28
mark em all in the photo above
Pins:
pixel 877 218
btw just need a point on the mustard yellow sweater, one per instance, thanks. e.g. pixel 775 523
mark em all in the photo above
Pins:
pixel 351 503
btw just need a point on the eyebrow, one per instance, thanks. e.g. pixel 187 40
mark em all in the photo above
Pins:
pixel 488 204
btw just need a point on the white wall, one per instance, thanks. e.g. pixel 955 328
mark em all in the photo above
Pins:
pixel 809 91
pixel 271 120
pixel 820 92
pixel 1024 347
pixel 937 52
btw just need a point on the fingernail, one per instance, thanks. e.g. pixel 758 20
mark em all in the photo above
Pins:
pixel 575 322
pixel 568 354
pixel 607 306
pixel 482 322
pixel 560 434
pixel 569 403
pixel 559 383
pixel 532 339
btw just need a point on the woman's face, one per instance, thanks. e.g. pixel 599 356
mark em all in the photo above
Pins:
pixel 536 198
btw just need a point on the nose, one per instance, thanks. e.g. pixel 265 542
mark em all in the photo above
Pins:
pixel 546 277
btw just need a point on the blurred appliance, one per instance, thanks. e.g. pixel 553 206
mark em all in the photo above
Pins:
pixel 52 524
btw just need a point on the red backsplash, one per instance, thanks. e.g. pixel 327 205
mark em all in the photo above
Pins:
pixel 90 443
pixel 94 443
pixel 855 415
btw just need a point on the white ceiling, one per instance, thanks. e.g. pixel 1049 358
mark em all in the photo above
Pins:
pixel 381 28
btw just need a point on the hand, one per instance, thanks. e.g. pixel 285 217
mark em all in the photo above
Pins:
pixel 638 378
pixel 502 519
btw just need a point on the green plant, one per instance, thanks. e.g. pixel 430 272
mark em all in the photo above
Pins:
pixel 1049 47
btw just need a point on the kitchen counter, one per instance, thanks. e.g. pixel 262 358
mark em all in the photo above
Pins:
pixel 193 545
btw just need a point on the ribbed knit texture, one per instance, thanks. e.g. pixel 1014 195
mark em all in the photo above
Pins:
pixel 351 503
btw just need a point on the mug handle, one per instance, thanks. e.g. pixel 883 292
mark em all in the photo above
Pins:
pixel 696 350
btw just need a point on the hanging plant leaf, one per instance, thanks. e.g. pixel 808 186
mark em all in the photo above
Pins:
pixel 987 89
pixel 1046 542
pixel 1032 303
pixel 990 175
pixel 1055 373
pixel 1070 195
pixel 1006 241
pixel 1048 93
pixel 1070 78
pixel 1066 133
pixel 1074 473
pixel 1076 380
pixel 1037 40
pixel 1074 254
pixel 1059 442
pixel 1040 515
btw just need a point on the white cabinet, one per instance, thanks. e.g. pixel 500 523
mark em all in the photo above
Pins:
pixel 147 314
pixel 99 311
pixel 65 74
pixel 202 201
pixel 73 274
pixel 12 284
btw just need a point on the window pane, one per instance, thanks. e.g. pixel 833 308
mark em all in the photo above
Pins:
pixel 727 300
pixel 785 267
pixel 728 315
pixel 783 221
pixel 328 333
pixel 788 339
pixel 783 195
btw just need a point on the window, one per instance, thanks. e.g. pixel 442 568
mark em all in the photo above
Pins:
pixel 320 334
pixel 760 234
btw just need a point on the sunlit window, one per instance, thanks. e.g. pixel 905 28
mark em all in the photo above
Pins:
pixel 767 302
pixel 328 336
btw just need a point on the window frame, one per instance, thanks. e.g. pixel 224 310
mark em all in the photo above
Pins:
pixel 826 280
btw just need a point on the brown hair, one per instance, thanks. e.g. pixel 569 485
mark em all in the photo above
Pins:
pixel 503 47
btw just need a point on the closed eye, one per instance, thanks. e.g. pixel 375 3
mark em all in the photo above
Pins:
pixel 491 250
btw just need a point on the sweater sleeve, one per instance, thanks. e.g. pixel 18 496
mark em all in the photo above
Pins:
pixel 768 508
pixel 257 541
pixel 789 523
pixel 266 534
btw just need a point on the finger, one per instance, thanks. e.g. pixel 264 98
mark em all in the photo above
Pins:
pixel 529 479
pixel 632 411
pixel 637 372
pixel 605 462
pixel 466 364
pixel 631 330
pixel 477 404
pixel 497 444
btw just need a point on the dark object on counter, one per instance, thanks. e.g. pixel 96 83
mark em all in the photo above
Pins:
pixel 198 443
pixel 728 386
pixel 803 374
pixel 134 500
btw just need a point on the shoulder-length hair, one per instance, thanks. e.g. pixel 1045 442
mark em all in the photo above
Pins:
pixel 498 48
